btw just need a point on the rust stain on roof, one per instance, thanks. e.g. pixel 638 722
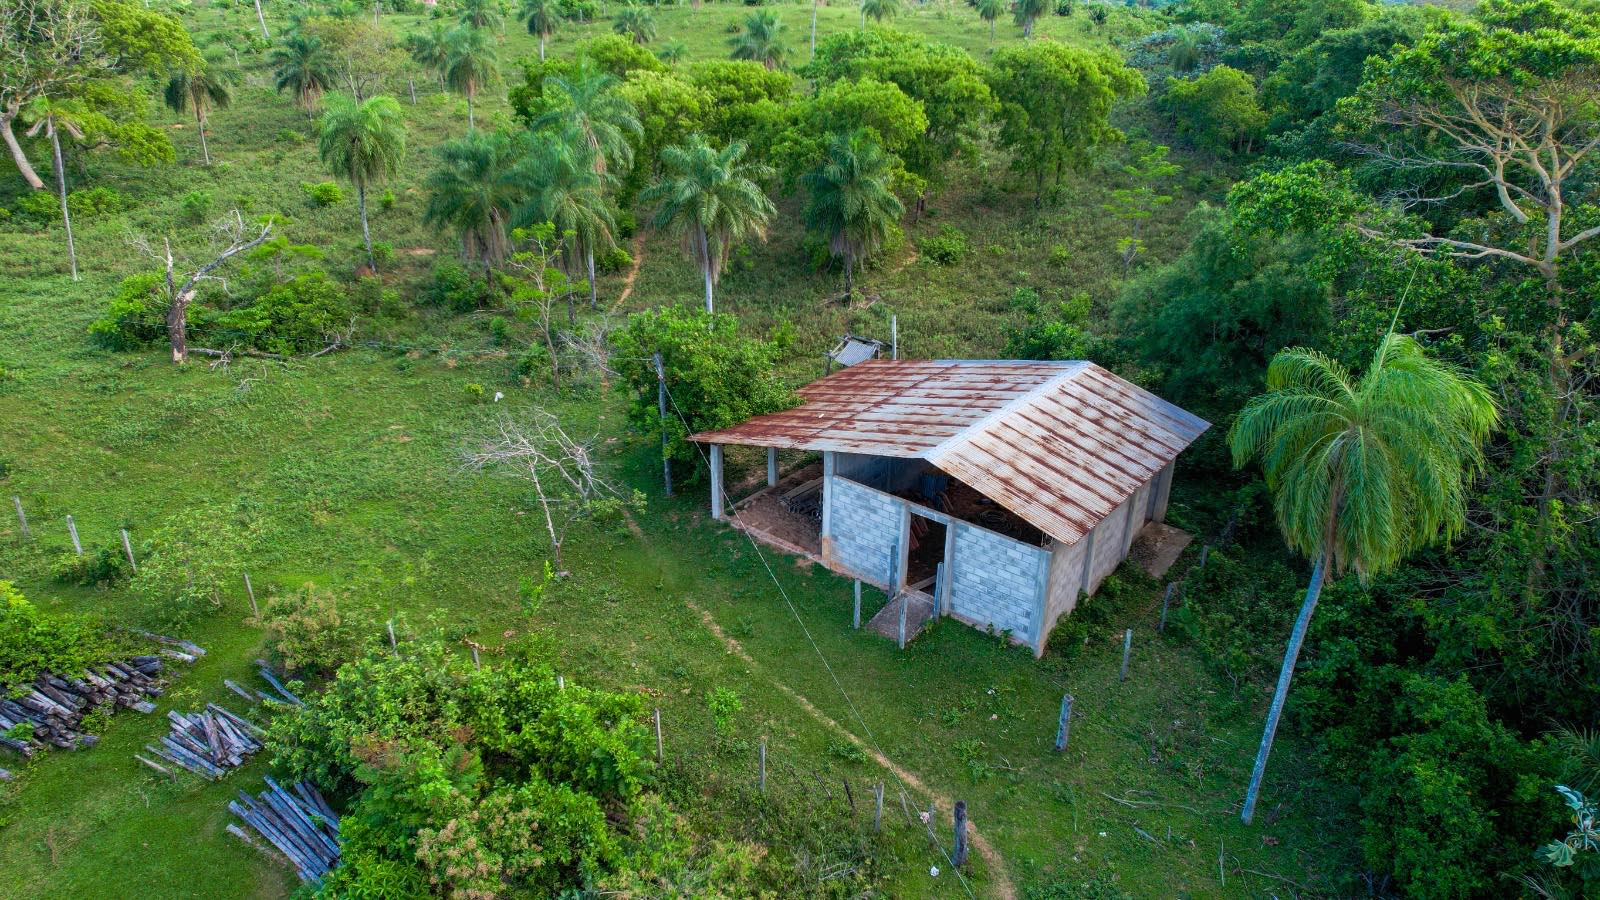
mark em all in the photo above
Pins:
pixel 1060 444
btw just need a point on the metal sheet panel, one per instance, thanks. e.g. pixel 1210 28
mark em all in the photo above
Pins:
pixel 1060 444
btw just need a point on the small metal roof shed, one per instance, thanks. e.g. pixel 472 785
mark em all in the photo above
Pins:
pixel 1060 444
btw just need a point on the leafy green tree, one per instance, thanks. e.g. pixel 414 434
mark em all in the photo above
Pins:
pixel 1363 472
pixel 1137 202
pixel 475 190
pixel 1055 105
pixel 471 64
pixel 669 109
pixel 880 10
pixel 51 119
pixel 485 14
pixel 364 141
pixel 990 11
pixel 543 18
pixel 894 121
pixel 851 204
pixel 713 199
pixel 201 90
pixel 586 109
pixel 187 564
pixel 362 53
pixel 716 376
pixel 635 23
pixel 747 100
pixel 1217 111
pixel 1027 12
pixel 301 66
pixel 761 40
pixel 566 188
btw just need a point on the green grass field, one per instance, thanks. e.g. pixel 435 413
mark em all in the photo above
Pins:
pixel 350 462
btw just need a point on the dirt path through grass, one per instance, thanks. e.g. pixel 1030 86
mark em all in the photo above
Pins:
pixel 633 272
pixel 1000 885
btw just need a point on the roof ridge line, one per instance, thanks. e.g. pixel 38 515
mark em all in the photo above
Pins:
pixel 1072 369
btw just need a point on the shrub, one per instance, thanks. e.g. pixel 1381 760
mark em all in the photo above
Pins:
pixel 613 261
pixel 196 206
pixel 39 208
pixel 313 630
pixel 96 202
pixel 134 317
pixel 474 392
pixel 724 705
pixel 500 330
pixel 106 567
pixel 32 642
pixel 386 202
pixel 325 193
pixel 297 315
pixel 945 248
pixel 451 287
pixel 189 561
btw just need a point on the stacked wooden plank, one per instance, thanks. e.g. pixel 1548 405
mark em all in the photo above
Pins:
pixel 299 823
pixel 54 705
pixel 208 743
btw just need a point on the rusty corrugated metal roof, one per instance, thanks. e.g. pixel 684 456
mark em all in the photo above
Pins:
pixel 1060 444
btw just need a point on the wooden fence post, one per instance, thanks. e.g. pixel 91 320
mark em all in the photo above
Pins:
pixel 561 682
pixel 905 604
pixel 1064 727
pixel 661 409
pixel 251 593
pixel 959 857
pixel 22 517
pixel 127 547
pixel 72 529
pixel 658 734
pixel 1127 649
pixel 855 619
pixel 1166 601
pixel 877 807
pixel 763 765
pixel 393 646
pixel 475 663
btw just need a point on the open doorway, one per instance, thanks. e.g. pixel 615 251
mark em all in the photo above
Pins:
pixel 925 553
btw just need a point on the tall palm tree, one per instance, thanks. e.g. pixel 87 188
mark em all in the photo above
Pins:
pixel 878 10
pixel 542 16
pixel 471 64
pixel 565 189
pixel 991 10
pixel 635 23
pixel 851 203
pixel 761 40
pixel 303 68
pixel 206 88
pixel 481 14
pixel 475 190
pixel 586 109
pixel 50 118
pixel 1363 473
pixel 430 49
pixel 1026 12
pixel 364 141
pixel 713 199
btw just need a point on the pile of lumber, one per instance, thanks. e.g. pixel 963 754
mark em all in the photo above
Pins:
pixel 208 743
pixel 283 696
pixel 55 705
pixel 299 823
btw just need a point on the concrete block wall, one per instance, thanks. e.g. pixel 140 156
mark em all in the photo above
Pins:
pixel 1065 583
pixel 997 581
pixel 864 526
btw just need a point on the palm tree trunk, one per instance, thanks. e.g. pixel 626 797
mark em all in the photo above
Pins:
pixel 991 31
pixel 541 47
pixel 703 251
pixel 849 278
pixel 17 156
pixel 470 122
pixel 1297 637
pixel 200 122
pixel 814 5
pixel 61 192
pixel 263 20
pixel 411 85
pixel 594 291
pixel 366 233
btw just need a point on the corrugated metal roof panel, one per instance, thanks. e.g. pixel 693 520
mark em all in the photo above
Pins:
pixel 1060 444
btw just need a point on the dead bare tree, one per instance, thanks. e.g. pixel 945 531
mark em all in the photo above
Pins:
pixel 231 234
pixel 540 283
pixel 566 481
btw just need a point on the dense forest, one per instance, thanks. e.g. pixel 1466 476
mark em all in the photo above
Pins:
pixel 331 333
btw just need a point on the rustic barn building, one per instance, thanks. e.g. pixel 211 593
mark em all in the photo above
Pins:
pixel 997 492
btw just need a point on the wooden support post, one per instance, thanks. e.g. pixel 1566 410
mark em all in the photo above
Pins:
pixel 127 547
pixel 933 822
pixel 72 529
pixel 877 807
pixel 661 409
pixel 251 593
pixel 1127 650
pixel 22 517
pixel 394 647
pixel 772 467
pixel 1166 601
pixel 716 481
pixel 938 589
pixel 1064 727
pixel 892 586
pixel 894 336
pixel 905 604
pixel 855 619
pixel 959 856
pixel 763 754
pixel 849 796
pixel 658 734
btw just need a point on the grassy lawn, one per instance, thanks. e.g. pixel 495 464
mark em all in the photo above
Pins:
pixel 349 461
